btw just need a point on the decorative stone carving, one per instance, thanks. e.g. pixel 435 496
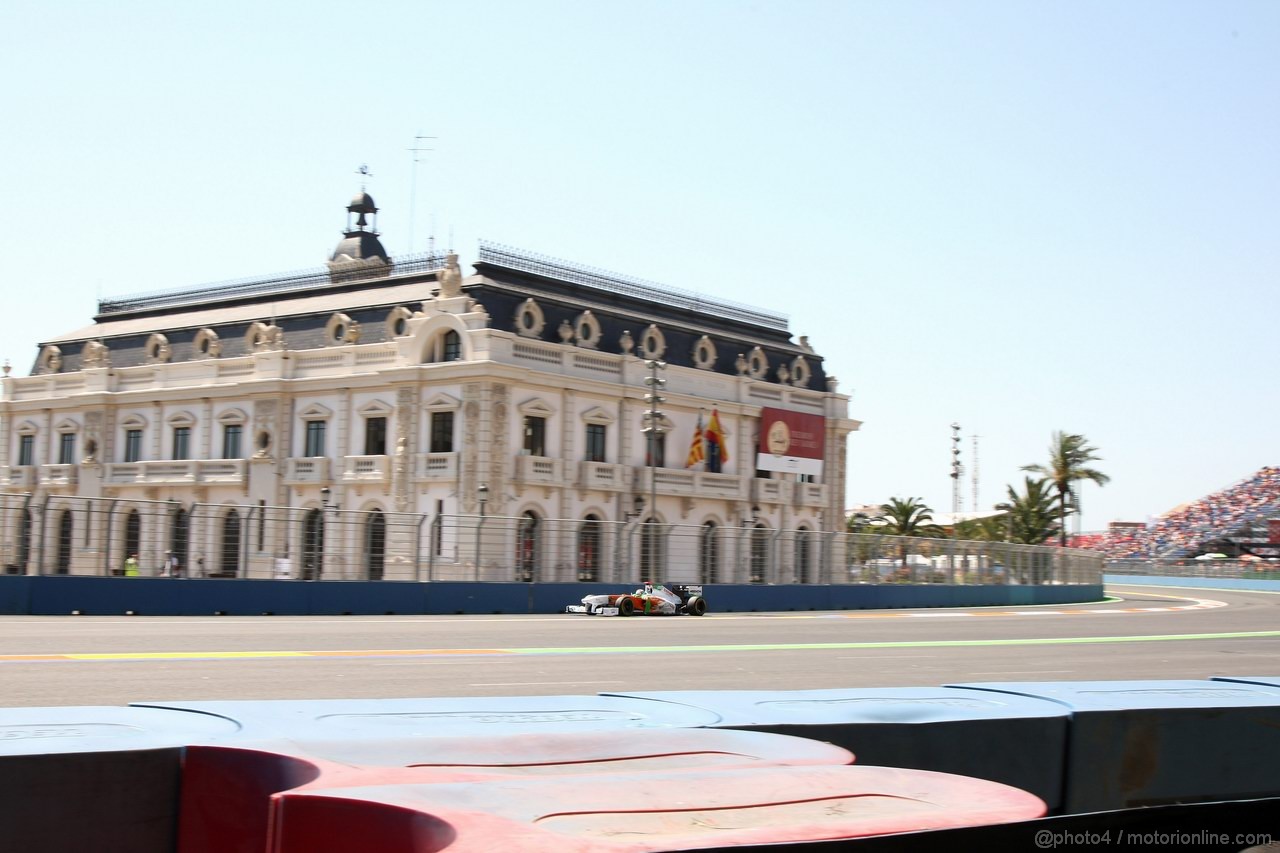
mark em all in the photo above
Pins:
pixel 587 329
pixel 800 372
pixel 265 414
pixel 206 344
pixel 530 321
pixel 158 349
pixel 783 373
pixel 653 343
pixel 50 360
pixel 398 321
pixel 264 338
pixel 95 354
pixel 704 353
pixel 626 344
pixel 740 363
pixel 451 278
pixel 92 436
pixel 405 428
pixel 565 332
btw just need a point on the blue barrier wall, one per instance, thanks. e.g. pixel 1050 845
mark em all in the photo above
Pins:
pixel 1199 583
pixel 104 596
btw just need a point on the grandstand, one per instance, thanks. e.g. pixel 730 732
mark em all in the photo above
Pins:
pixel 1222 521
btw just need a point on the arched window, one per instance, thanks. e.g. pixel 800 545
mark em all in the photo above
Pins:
pixel 589 542
pixel 804 551
pixel 24 543
pixel 375 545
pixel 450 346
pixel 527 548
pixel 709 553
pixel 312 545
pixel 229 555
pixel 179 542
pixel 652 550
pixel 759 554
pixel 65 533
pixel 132 534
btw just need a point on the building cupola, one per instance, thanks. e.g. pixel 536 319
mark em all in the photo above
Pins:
pixel 360 253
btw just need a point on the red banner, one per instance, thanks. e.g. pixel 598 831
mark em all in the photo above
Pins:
pixel 793 442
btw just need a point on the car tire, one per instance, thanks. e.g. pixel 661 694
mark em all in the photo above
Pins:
pixel 697 606
pixel 626 607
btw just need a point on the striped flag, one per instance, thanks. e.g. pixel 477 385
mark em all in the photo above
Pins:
pixel 697 451
pixel 717 447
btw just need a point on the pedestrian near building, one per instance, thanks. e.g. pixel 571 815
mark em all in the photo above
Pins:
pixel 131 566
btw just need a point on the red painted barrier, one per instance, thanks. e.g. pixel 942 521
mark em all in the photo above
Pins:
pixel 226 791
pixel 639 813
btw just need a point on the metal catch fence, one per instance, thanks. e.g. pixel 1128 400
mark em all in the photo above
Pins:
pixel 103 536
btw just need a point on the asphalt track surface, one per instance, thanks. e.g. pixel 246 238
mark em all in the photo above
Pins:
pixel 1144 632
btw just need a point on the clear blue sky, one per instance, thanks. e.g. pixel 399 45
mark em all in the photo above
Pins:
pixel 1019 216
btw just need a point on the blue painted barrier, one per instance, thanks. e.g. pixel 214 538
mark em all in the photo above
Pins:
pixel 480 716
pixel 967 732
pixel 94 778
pixel 1142 743
pixel 1139 744
pixel 1197 583
pixel 65 594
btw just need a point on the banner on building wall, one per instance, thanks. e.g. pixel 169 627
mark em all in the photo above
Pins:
pixel 791 442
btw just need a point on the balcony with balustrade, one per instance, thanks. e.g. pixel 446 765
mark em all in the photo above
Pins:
pixel 59 475
pixel 430 467
pixel 301 470
pixel 366 469
pixel 538 470
pixel 603 476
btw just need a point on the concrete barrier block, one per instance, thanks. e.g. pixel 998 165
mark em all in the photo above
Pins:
pixel 227 791
pixel 945 729
pixel 93 778
pixel 1144 743
pixel 644 812
pixel 438 717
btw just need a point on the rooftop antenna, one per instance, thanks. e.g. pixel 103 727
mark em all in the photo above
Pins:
pixel 975 472
pixel 416 151
pixel 956 468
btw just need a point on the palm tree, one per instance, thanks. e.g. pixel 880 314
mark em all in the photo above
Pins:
pixel 993 528
pixel 1031 518
pixel 908 517
pixel 1069 458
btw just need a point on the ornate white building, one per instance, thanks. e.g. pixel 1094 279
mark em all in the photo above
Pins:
pixel 223 426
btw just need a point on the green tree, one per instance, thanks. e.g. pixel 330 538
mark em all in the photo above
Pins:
pixel 909 517
pixel 993 528
pixel 1069 458
pixel 1031 518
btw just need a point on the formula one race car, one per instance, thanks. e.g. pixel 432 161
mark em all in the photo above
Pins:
pixel 653 599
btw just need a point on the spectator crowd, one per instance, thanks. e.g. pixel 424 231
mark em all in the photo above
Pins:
pixel 1184 528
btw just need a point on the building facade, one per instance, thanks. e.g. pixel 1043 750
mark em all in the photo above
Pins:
pixel 394 418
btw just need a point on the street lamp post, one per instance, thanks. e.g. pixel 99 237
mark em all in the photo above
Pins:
pixel 482 493
pixel 653 430
pixel 324 523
